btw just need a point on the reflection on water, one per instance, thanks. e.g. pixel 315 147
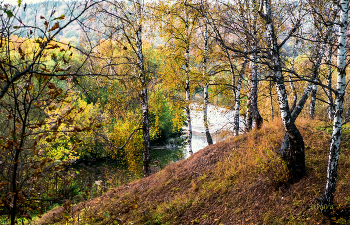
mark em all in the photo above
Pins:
pixel 220 127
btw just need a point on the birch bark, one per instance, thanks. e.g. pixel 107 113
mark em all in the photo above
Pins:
pixel 254 91
pixel 329 84
pixel 238 98
pixel 296 154
pixel 252 105
pixel 326 200
pixel 271 102
pixel 206 93
pixel 292 88
pixel 144 94
pixel 188 91
pixel 296 108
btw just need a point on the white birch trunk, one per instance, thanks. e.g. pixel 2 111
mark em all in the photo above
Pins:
pixel 292 88
pixel 271 102
pixel 188 92
pixel 329 84
pixel 296 108
pixel 206 93
pixel 238 99
pixel 254 91
pixel 205 111
pixel 328 195
pixel 296 154
pixel 188 113
pixel 144 95
pixel 254 88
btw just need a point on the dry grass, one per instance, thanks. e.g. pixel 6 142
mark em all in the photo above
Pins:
pixel 238 181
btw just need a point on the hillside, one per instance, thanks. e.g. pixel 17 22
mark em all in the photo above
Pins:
pixel 238 181
pixel 32 14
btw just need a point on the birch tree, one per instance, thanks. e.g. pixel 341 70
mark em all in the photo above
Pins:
pixel 296 154
pixel 206 86
pixel 326 200
pixel 252 105
pixel 124 22
pixel 179 23
pixel 222 22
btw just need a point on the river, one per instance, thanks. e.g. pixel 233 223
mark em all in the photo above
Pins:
pixel 220 125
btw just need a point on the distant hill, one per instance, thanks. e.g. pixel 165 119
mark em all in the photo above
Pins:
pixel 50 10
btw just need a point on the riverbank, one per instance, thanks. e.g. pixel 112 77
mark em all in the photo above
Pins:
pixel 237 181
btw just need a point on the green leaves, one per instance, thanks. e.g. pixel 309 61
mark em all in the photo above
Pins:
pixel 9 13
pixel 62 17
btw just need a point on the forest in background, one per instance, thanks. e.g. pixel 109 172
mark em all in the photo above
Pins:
pixel 106 80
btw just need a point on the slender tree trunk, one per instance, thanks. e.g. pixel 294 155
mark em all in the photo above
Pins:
pixel 254 93
pixel 188 116
pixel 248 114
pixel 319 55
pixel 313 102
pixel 283 152
pixel 144 96
pixel 310 88
pixel 238 98
pixel 326 200
pixel 205 111
pixel 14 181
pixel 329 84
pixel 14 187
pixel 292 88
pixel 252 109
pixel 250 97
pixel 206 94
pixel 296 156
pixel 188 99
pixel 271 102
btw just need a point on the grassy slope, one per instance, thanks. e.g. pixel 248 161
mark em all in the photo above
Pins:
pixel 237 181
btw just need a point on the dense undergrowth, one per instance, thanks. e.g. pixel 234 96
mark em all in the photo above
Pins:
pixel 238 181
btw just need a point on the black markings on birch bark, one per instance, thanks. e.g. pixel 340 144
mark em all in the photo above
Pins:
pixel 254 93
pixel 296 153
pixel 188 116
pixel 188 92
pixel 271 101
pixel 144 94
pixel 254 90
pixel 252 103
pixel 238 98
pixel 326 200
pixel 329 84
pixel 205 111
pixel 205 92
pixel 292 88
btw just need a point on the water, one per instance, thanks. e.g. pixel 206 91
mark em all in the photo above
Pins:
pixel 220 125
